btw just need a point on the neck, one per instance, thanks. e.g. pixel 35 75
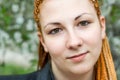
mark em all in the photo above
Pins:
pixel 62 75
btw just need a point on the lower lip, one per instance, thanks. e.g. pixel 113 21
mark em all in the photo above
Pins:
pixel 78 58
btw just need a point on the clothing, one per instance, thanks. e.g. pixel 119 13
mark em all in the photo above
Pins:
pixel 43 74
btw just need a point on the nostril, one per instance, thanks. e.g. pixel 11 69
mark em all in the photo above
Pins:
pixel 74 46
pixel 79 45
pixel 74 41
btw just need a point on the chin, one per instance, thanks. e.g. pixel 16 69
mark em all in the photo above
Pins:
pixel 81 70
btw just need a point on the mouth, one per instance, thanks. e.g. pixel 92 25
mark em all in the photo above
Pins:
pixel 79 57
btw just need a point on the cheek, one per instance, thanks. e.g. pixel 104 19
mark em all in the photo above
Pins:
pixel 94 35
pixel 93 42
pixel 93 39
pixel 55 46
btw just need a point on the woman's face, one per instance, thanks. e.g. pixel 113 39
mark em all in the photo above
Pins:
pixel 72 34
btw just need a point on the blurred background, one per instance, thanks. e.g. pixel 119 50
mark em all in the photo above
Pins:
pixel 19 41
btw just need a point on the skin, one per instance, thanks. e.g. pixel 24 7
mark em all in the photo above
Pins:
pixel 70 28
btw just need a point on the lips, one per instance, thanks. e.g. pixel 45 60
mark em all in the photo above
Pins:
pixel 79 57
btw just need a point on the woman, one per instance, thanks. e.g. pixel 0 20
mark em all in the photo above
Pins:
pixel 72 36
pixel 73 43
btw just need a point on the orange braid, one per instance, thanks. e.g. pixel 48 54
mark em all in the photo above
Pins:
pixel 105 66
pixel 43 56
pixel 97 8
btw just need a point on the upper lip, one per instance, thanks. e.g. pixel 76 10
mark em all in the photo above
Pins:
pixel 77 55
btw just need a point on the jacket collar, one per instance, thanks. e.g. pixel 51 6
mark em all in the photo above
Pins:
pixel 45 73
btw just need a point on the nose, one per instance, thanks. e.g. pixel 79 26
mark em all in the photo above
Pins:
pixel 74 41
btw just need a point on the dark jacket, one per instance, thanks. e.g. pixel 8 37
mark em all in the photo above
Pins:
pixel 43 74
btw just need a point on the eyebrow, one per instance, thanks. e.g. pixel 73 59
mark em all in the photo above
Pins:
pixel 57 23
pixel 52 23
pixel 80 15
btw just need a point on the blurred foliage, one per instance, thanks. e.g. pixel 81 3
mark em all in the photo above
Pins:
pixel 14 69
pixel 111 10
pixel 18 32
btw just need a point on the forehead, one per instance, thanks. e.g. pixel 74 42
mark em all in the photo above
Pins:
pixel 52 5
pixel 65 8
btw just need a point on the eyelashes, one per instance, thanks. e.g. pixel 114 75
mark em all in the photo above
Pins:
pixel 84 23
pixel 57 29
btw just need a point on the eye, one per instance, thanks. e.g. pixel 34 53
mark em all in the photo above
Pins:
pixel 83 23
pixel 55 31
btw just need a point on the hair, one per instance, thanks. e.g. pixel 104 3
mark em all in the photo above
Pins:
pixel 104 66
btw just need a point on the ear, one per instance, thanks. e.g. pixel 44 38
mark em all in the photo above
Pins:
pixel 103 26
pixel 42 41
